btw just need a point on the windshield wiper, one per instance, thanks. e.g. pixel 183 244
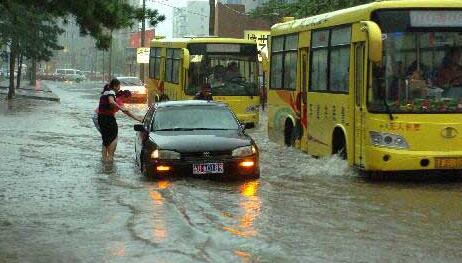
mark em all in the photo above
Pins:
pixel 191 129
pixel 387 108
pixel 175 129
pixel 207 129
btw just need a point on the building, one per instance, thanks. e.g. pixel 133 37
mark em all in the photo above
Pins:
pixel 80 52
pixel 179 22
pixel 224 13
pixel 248 4
pixel 192 20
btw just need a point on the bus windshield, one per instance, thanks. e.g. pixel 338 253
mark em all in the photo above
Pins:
pixel 227 74
pixel 421 70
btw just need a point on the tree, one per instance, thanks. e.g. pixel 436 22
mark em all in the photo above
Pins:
pixel 274 10
pixel 97 18
pixel 30 33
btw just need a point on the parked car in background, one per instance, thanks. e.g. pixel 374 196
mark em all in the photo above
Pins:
pixel 135 86
pixel 69 75
pixel 195 138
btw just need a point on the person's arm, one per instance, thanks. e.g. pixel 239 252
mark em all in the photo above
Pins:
pixel 124 110
pixel 131 115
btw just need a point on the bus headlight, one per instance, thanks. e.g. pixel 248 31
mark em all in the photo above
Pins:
pixel 244 151
pixel 388 140
pixel 165 155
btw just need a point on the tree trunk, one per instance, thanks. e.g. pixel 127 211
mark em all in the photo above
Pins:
pixel 110 58
pixel 33 72
pixel 18 78
pixel 12 68
pixel 212 18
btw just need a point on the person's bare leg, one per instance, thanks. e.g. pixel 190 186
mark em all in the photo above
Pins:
pixel 104 153
pixel 111 150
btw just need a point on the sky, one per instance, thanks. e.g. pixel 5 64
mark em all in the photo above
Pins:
pixel 165 7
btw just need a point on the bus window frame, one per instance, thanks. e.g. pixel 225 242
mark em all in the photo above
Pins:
pixel 154 72
pixel 174 56
pixel 284 51
pixel 329 48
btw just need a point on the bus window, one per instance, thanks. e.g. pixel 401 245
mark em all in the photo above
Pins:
pixel 284 62
pixel 172 65
pixel 330 60
pixel 421 69
pixel 228 73
pixel 154 63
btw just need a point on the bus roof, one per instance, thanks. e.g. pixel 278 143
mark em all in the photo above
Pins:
pixel 355 14
pixel 182 42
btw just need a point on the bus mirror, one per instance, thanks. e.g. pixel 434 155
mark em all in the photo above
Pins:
pixel 186 58
pixel 375 40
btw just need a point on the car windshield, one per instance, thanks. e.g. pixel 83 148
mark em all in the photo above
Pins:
pixel 421 69
pixel 130 82
pixel 194 117
pixel 228 75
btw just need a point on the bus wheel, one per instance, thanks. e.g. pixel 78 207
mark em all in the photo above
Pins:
pixel 164 97
pixel 339 144
pixel 289 133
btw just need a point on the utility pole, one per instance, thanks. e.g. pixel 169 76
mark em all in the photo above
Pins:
pixel 143 32
pixel 110 57
pixel 212 18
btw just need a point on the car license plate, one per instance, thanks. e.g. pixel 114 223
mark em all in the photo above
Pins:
pixel 208 168
pixel 448 163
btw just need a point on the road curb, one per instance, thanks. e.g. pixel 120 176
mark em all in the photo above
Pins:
pixel 31 94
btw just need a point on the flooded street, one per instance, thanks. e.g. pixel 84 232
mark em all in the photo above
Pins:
pixel 59 202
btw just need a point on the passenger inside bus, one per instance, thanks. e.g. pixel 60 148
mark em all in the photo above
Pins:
pixel 415 76
pixel 232 72
pixel 450 72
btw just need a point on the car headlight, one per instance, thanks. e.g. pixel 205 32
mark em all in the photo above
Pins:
pixel 165 155
pixel 244 151
pixel 141 90
pixel 388 140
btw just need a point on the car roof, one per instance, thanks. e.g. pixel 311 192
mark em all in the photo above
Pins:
pixel 189 103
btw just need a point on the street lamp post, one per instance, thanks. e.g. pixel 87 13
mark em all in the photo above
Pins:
pixel 143 31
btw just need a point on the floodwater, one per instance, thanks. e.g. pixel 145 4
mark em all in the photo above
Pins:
pixel 59 203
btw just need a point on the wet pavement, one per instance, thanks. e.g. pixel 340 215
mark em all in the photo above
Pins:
pixel 59 203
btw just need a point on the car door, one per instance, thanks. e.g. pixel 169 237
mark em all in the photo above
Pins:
pixel 142 136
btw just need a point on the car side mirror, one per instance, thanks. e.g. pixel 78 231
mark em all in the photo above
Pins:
pixel 242 127
pixel 139 127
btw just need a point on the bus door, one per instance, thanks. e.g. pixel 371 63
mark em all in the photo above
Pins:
pixel 302 99
pixel 360 74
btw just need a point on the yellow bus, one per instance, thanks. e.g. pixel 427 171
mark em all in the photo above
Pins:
pixel 179 68
pixel 380 83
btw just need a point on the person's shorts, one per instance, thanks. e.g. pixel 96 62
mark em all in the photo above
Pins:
pixel 108 128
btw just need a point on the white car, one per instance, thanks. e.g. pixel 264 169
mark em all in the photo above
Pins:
pixel 135 86
pixel 70 75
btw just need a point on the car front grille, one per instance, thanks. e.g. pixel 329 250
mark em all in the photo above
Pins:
pixel 194 156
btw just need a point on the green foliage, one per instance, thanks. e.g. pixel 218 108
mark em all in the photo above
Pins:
pixel 274 10
pixel 96 18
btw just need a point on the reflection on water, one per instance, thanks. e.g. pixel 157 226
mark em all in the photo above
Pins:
pixel 159 225
pixel 244 256
pixel 250 208
pixel 117 249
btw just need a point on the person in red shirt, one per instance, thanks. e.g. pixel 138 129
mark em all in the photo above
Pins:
pixel 107 108
pixel 450 73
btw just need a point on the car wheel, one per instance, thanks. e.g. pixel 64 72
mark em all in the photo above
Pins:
pixel 144 170
pixel 256 176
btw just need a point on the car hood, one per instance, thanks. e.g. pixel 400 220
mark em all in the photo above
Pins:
pixel 197 141
pixel 132 87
